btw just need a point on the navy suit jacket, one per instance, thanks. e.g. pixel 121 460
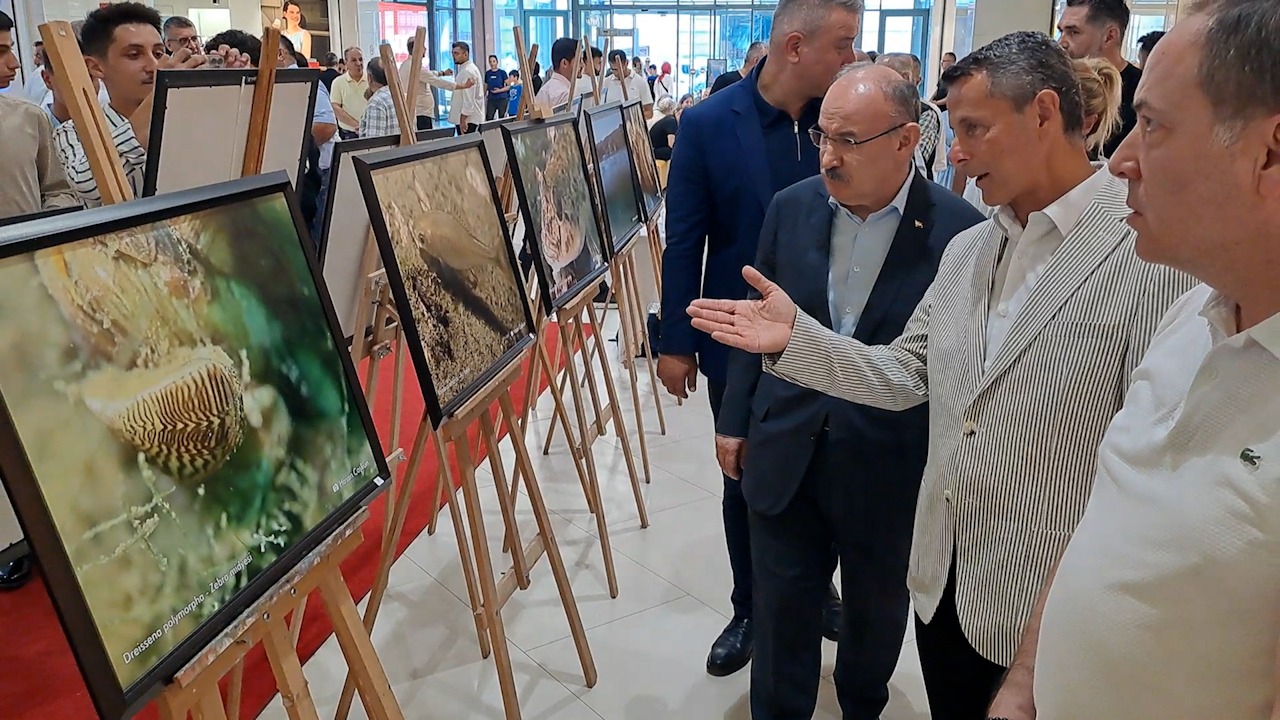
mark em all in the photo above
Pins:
pixel 718 189
pixel 782 422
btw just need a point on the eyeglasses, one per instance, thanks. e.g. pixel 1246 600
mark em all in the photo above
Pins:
pixel 822 139
pixel 192 42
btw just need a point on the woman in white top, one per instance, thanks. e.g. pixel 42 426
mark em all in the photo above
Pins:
pixel 1100 87
pixel 664 85
pixel 293 29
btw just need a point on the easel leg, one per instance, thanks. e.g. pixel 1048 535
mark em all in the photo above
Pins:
pixel 628 319
pixel 484 566
pixel 642 323
pixel 616 415
pixel 366 669
pixel 558 570
pixel 288 669
pixel 506 500
pixel 567 328
pixel 597 332
pixel 210 708
pixel 397 510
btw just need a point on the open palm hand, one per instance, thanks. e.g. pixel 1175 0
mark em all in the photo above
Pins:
pixel 759 325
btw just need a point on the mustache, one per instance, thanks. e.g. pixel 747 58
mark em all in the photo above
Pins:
pixel 835 174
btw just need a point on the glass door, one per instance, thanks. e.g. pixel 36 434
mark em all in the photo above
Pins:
pixel 695 42
pixel 543 28
pixel 905 31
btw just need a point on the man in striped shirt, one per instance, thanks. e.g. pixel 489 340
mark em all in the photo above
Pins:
pixel 123 47
pixel 380 114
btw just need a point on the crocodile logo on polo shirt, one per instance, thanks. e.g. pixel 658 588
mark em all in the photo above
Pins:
pixel 1250 458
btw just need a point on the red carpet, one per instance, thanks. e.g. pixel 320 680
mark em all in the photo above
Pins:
pixel 39 679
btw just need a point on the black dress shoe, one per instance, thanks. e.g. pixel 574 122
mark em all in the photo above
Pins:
pixel 732 650
pixel 15 574
pixel 831 609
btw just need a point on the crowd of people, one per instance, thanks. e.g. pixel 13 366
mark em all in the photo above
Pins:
pixel 1039 424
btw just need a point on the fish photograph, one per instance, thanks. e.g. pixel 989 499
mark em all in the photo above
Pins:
pixel 614 175
pixel 182 420
pixel 645 164
pixel 444 241
pixel 556 200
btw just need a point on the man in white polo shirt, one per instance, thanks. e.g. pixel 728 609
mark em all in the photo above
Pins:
pixel 637 86
pixel 1166 603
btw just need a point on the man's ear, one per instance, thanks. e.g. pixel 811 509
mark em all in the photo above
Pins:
pixel 94 65
pixel 1269 172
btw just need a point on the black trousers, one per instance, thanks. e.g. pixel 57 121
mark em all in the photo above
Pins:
pixel 495 107
pixel 793 560
pixel 960 682
pixel 737 533
pixel 425 122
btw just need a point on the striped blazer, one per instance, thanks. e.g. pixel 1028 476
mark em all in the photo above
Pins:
pixel 1012 449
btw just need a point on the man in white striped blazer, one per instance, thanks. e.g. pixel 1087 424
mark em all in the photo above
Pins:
pixel 1023 347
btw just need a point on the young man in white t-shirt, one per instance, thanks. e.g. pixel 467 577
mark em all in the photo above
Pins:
pixel 637 86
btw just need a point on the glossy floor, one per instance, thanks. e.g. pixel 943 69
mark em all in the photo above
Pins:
pixel 650 643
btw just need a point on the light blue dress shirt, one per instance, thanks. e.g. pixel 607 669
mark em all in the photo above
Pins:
pixel 858 250
pixel 324 114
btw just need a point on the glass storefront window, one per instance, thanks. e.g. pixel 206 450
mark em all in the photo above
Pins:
pixel 1145 16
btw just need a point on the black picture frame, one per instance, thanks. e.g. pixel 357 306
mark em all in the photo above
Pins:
pixel 531 238
pixel 167 81
pixel 633 114
pixel 341 269
pixel 617 238
pixel 110 698
pixel 366 166
pixel 18 219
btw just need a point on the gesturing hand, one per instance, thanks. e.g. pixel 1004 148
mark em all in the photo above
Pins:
pixel 758 326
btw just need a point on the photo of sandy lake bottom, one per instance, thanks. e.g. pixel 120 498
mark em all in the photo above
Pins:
pixel 450 250
pixel 185 412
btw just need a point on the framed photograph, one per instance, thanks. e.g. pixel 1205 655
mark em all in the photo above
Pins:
pixel 494 146
pixel 344 227
pixel 556 204
pixel 615 179
pixel 450 265
pixel 645 165
pixel 715 68
pixel 198 114
pixel 179 423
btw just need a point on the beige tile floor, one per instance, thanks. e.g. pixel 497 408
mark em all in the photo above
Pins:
pixel 649 644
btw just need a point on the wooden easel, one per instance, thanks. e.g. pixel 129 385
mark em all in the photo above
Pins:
pixel 72 79
pixel 194 690
pixel 496 589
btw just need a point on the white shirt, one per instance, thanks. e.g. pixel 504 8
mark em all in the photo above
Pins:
pixel 858 251
pixel 133 156
pixel 554 92
pixel 1167 601
pixel 637 87
pixel 1028 251
pixel 469 102
pixel 426 101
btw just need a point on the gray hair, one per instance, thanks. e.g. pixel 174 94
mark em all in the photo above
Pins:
pixel 1240 61
pixel 755 51
pixel 900 63
pixel 901 95
pixel 1020 66
pixel 177 21
pixel 667 105
pixel 807 16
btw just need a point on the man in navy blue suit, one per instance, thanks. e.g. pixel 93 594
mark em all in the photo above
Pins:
pixel 735 151
pixel 856 247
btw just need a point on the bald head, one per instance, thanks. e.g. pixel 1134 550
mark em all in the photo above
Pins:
pixel 861 56
pixel 874 83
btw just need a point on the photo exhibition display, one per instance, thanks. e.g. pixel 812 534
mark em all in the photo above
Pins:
pixel 556 200
pixel 450 263
pixel 182 421
pixel 614 174
pixel 645 164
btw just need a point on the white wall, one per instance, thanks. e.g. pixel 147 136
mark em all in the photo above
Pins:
pixel 995 18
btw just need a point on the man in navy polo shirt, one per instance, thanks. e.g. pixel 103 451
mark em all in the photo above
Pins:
pixel 735 151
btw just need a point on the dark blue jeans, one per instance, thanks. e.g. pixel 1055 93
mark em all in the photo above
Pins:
pixel 737 533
